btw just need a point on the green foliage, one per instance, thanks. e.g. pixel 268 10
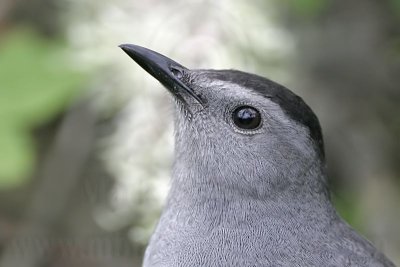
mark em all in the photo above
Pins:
pixel 346 206
pixel 396 6
pixel 36 83
pixel 308 8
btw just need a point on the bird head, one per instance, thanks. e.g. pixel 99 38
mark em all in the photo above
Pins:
pixel 238 130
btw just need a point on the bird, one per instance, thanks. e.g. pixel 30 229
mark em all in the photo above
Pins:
pixel 249 182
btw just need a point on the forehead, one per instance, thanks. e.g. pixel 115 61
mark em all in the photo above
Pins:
pixel 223 89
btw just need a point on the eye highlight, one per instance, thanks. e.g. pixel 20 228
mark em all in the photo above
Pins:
pixel 246 117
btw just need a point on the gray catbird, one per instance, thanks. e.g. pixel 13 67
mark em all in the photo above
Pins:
pixel 249 185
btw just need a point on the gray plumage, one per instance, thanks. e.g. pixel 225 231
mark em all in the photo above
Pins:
pixel 246 197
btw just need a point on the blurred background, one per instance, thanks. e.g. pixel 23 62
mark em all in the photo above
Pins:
pixel 86 135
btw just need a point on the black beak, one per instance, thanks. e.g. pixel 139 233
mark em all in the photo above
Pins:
pixel 165 70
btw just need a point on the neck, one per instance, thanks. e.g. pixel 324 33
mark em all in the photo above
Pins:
pixel 217 197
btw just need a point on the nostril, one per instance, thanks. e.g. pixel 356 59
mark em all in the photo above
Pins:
pixel 177 73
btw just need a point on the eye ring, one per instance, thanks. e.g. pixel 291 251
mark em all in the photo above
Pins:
pixel 246 117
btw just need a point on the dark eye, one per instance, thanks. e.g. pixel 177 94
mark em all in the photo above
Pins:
pixel 246 117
